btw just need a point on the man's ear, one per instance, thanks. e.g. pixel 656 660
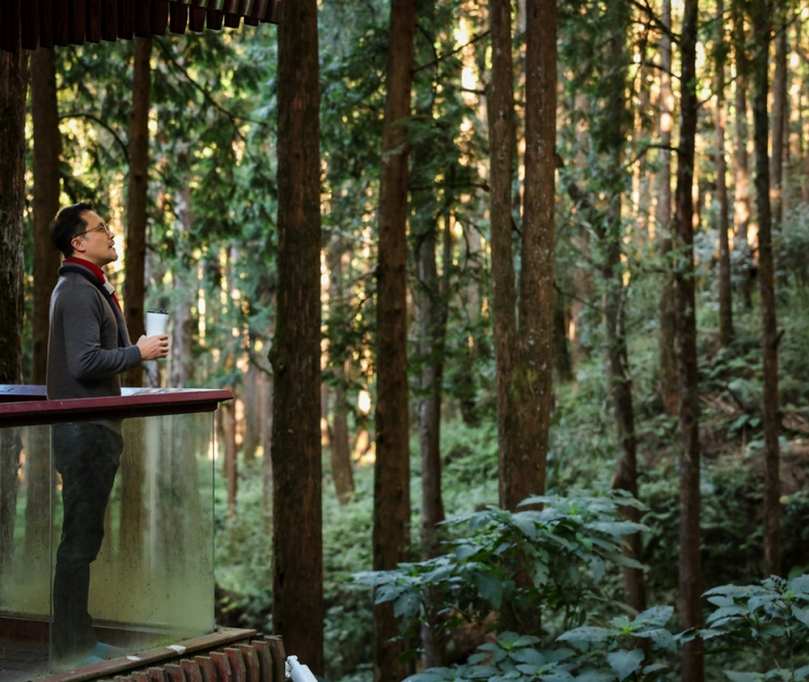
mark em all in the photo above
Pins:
pixel 79 245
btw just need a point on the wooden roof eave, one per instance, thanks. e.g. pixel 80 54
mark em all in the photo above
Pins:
pixel 47 23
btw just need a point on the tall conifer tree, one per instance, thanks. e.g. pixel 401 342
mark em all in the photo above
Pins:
pixel 298 609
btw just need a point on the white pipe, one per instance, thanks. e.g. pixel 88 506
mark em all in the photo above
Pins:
pixel 297 671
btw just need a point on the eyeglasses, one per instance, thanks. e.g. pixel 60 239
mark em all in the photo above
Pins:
pixel 98 228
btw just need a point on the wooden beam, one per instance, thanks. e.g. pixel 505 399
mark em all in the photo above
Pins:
pixel 160 17
pixel 45 23
pixel 78 21
pixel 178 17
pixel 126 19
pixel 109 20
pixel 196 19
pixel 61 22
pixel 93 20
pixel 10 25
pixel 143 22
pixel 215 18
pixel 30 26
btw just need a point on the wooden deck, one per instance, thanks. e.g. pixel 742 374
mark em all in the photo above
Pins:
pixel 24 653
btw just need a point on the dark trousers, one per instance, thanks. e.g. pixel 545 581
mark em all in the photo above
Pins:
pixel 87 457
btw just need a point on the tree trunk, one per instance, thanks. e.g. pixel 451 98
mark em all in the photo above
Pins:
pixel 501 145
pixel 669 389
pixel 181 359
pixel 741 192
pixel 266 460
pixel 10 451
pixel 136 202
pixel 466 387
pixel 779 112
pixel 252 410
pixel 690 578
pixel 298 608
pixel 561 353
pixel 611 241
pixel 430 297
pixel 582 279
pixel 391 532
pixel 760 16
pixel 431 350
pixel 47 146
pixel 725 301
pixel 46 258
pixel 534 380
pixel 231 470
pixel 340 450
pixel 13 90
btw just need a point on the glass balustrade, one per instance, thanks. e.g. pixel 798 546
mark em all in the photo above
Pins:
pixel 152 583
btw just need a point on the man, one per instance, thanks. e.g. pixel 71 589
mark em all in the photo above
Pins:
pixel 88 349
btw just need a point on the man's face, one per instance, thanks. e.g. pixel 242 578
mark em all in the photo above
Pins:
pixel 97 243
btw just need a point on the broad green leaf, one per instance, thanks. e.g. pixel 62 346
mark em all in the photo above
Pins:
pixel 540 573
pixel 528 655
pixel 742 677
pixel 526 524
pixel 440 573
pixel 512 640
pixel 761 600
pixel 740 591
pixel 490 588
pixel 595 676
pixel 530 670
pixel 654 667
pixel 582 637
pixel 727 611
pixel 465 551
pixel 562 541
pixel 662 638
pixel 560 676
pixel 407 605
pixel 624 663
pixel 617 527
pixel 801 614
pixel 800 585
pixel 597 565
pixel 561 654
pixel 432 675
pixel 656 615
pixel 802 673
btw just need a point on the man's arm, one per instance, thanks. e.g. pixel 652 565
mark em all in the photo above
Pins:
pixel 82 320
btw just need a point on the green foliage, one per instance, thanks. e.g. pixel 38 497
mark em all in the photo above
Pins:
pixel 610 653
pixel 564 550
pixel 767 623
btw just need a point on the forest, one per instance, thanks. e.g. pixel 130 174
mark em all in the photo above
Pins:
pixel 513 299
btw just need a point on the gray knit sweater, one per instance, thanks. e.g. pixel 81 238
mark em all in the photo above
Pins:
pixel 84 360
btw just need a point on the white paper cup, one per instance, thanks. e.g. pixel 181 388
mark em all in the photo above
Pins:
pixel 156 322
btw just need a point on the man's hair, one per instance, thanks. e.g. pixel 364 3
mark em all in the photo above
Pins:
pixel 67 225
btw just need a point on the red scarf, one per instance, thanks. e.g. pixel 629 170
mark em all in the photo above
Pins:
pixel 98 272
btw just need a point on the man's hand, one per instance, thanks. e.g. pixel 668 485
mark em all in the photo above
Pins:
pixel 153 347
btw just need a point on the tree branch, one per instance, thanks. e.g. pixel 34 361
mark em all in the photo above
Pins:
pixel 449 54
pixel 110 130
pixel 207 95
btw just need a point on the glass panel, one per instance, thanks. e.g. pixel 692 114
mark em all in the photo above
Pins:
pixel 25 551
pixel 141 501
